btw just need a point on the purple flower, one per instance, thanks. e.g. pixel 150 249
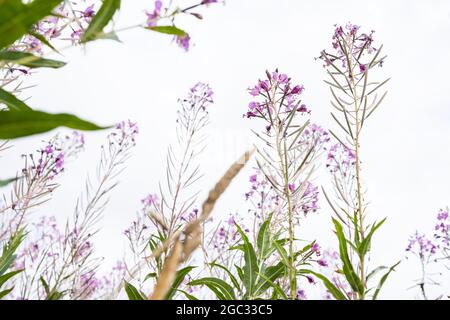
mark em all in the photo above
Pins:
pixel 151 200
pixel 362 68
pixel 301 295
pixel 183 41
pixel 153 17
pixel 322 263
pixel 291 187
pixel 49 149
pixel 315 248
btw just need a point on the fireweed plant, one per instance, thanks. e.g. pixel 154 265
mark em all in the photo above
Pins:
pixel 165 213
pixel 178 248
pixel 355 97
pixel 432 253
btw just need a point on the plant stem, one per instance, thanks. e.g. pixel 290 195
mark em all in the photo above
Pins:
pixel 360 222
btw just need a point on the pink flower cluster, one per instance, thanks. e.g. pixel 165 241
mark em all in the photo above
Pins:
pixel 200 96
pixel 422 246
pixel 348 40
pixel 49 161
pixel 340 159
pixel 442 229
pixel 277 97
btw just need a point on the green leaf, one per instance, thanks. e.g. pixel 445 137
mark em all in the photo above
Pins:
pixel 275 286
pixel 168 30
pixel 29 60
pixel 133 293
pixel 240 272
pixel 150 275
pixel 271 274
pixel 5 292
pixel 251 264
pixel 16 18
pixel 8 257
pixel 8 276
pixel 45 285
pixel 263 242
pixel 42 39
pixel 4 183
pixel 178 280
pixel 100 20
pixel 12 102
pixel 228 272
pixel 221 289
pixel 337 294
pixel 365 244
pixel 283 254
pixel 54 295
pixel 15 124
pixel 188 295
pixel 349 272
pixel 383 280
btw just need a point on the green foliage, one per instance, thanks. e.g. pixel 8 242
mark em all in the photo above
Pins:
pixel 17 18
pixel 349 272
pixel 29 60
pixel 15 124
pixel 100 20
pixel 4 183
pixel 133 293
pixel 335 291
pixel 181 274
pixel 168 30
pixel 221 289
pixel 7 259
pixel 12 102
pixel 256 278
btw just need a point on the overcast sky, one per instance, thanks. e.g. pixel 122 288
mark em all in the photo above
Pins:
pixel 405 145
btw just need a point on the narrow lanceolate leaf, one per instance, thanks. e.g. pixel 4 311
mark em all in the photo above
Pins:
pixel 100 20
pixel 228 272
pixel 364 246
pixel 12 102
pixel 188 295
pixel 133 293
pixel 221 289
pixel 29 60
pixel 16 18
pixel 263 240
pixel 337 294
pixel 42 39
pixel 5 182
pixel 8 276
pixel 349 272
pixel 271 274
pixel 383 280
pixel 15 124
pixel 181 274
pixel 5 292
pixel 251 263
pixel 168 30
pixel 8 256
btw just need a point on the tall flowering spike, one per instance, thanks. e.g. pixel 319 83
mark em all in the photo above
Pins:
pixel 349 63
pixel 167 212
pixel 289 147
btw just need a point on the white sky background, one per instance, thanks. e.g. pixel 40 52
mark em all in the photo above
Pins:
pixel 405 145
